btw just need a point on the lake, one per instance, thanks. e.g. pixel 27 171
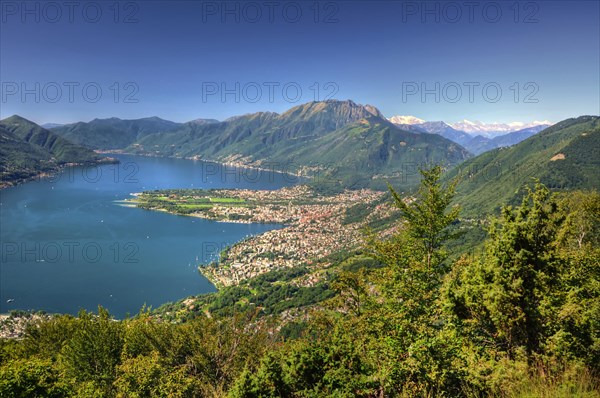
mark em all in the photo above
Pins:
pixel 66 244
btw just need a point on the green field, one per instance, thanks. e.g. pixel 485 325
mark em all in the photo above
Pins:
pixel 185 201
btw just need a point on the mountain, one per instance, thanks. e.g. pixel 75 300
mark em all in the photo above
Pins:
pixel 20 160
pixel 410 127
pixel 203 121
pixel 51 125
pixel 28 150
pixel 490 130
pixel 61 149
pixel 408 123
pixel 347 144
pixel 114 133
pixel 563 156
pixel 480 144
pixel 416 125
pixel 476 137
pixel 406 120
pixel 517 136
pixel 446 131
pixel 476 145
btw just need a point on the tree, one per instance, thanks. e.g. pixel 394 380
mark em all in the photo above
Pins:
pixel 151 376
pixel 582 224
pixel 416 253
pixel 353 290
pixel 30 377
pixel 508 295
pixel 427 218
pixel 523 262
pixel 413 352
pixel 94 351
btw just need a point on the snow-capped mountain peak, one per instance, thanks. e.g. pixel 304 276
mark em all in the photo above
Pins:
pixel 493 129
pixel 406 120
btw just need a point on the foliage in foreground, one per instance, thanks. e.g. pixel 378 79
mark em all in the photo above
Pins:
pixel 521 319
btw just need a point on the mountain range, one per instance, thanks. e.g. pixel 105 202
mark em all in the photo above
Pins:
pixel 476 137
pixel 480 144
pixel 343 143
pixel 491 130
pixel 563 157
pixel 29 150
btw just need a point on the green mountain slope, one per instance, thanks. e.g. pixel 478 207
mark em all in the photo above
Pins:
pixel 343 142
pixel 564 157
pixel 62 150
pixel 113 133
pixel 20 160
pixel 28 150
pixel 372 151
pixel 253 134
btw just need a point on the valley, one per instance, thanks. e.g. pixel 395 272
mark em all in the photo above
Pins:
pixel 300 199
pixel 291 254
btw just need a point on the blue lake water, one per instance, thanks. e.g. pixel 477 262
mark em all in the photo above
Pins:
pixel 65 244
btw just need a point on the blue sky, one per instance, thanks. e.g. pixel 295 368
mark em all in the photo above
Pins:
pixel 182 60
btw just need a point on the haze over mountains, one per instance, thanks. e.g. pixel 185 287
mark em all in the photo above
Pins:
pixel 477 137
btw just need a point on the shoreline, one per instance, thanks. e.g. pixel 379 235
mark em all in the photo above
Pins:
pixel 241 165
pixel 314 227
pixel 47 175
pixel 312 222
pixel 133 204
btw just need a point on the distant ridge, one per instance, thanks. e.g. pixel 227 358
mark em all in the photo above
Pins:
pixel 491 130
pixel 203 121
pixel 480 144
pixel 113 133
pixel 51 125
pixel 476 137
pixel 563 156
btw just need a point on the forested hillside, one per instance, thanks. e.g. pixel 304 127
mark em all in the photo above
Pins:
pixel 29 150
pixel 563 157
pixel 113 133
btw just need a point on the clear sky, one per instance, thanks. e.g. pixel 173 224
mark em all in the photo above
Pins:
pixel 182 60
